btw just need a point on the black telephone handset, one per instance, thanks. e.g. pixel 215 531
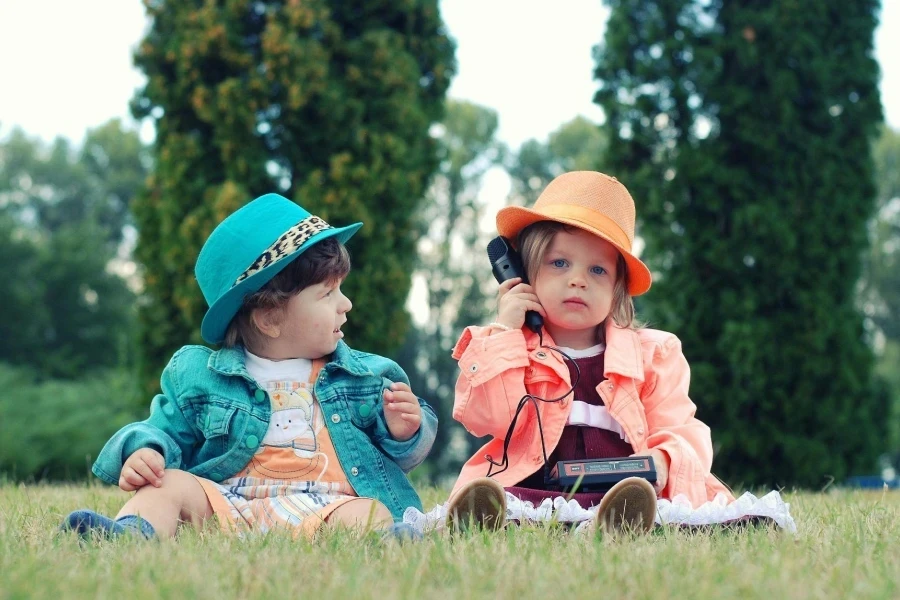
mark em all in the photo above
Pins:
pixel 506 264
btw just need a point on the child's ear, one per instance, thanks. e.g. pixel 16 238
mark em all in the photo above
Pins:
pixel 267 321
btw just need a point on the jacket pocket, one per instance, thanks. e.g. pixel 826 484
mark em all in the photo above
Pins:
pixel 365 405
pixel 539 373
pixel 215 422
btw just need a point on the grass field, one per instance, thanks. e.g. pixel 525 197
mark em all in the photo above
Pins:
pixel 847 546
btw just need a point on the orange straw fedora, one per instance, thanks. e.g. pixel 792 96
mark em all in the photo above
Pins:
pixel 592 201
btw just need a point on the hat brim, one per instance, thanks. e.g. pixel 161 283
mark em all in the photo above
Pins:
pixel 215 322
pixel 513 219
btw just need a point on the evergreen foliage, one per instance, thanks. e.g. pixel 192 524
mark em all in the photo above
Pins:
pixel 328 103
pixel 743 130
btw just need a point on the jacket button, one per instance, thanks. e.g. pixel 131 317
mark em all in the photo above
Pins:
pixel 259 395
pixel 474 367
pixel 354 471
pixel 541 354
pixel 365 410
pixel 252 441
pixel 335 418
pixel 610 387
pixel 640 431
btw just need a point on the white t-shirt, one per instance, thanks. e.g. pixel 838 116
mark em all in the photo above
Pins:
pixel 264 370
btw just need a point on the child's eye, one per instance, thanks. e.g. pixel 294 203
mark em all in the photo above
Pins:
pixel 598 270
pixel 559 263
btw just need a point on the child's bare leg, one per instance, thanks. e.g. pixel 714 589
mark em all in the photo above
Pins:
pixel 179 498
pixel 364 512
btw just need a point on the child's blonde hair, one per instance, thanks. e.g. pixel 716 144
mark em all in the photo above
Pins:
pixel 327 261
pixel 535 240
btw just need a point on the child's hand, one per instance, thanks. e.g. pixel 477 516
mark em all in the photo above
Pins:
pixel 402 412
pixel 517 298
pixel 661 462
pixel 146 466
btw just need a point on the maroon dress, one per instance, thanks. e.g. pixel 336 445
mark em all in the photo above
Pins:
pixel 577 441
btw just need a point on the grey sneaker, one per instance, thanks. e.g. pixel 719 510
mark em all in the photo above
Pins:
pixel 630 505
pixel 481 503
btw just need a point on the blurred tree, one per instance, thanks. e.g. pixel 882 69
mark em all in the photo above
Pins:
pixel 452 264
pixel 576 146
pixel 62 215
pixel 881 284
pixel 743 132
pixel 55 187
pixel 53 429
pixel 326 102
pixel 116 163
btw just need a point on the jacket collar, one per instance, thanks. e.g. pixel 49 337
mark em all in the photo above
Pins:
pixel 622 356
pixel 345 359
pixel 230 361
pixel 623 352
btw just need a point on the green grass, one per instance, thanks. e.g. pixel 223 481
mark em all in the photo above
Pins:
pixel 847 546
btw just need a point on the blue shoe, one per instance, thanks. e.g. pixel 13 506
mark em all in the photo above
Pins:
pixel 87 523
pixel 402 532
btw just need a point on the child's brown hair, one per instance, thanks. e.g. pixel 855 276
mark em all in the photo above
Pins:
pixel 326 261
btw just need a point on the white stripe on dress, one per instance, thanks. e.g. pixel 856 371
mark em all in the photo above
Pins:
pixel 590 415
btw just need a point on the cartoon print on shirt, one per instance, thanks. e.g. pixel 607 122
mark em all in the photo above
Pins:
pixel 292 420
pixel 296 420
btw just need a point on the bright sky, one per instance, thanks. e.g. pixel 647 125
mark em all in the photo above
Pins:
pixel 66 66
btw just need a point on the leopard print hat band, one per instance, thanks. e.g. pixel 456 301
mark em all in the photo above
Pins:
pixel 285 245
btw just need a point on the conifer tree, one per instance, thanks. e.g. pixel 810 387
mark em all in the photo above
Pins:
pixel 743 130
pixel 328 103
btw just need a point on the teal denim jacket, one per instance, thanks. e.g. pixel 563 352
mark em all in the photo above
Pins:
pixel 212 415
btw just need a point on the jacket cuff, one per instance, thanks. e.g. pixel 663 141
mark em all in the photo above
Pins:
pixel 129 440
pixel 685 470
pixel 410 453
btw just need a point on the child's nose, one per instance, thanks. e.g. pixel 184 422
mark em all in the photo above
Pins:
pixel 346 305
pixel 577 281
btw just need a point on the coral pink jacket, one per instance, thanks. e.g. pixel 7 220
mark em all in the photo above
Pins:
pixel 646 392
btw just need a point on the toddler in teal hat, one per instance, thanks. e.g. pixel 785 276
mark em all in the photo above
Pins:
pixel 285 426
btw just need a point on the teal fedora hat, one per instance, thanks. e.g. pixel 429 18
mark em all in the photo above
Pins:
pixel 249 248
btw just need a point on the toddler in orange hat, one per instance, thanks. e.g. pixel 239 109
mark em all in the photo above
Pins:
pixel 589 382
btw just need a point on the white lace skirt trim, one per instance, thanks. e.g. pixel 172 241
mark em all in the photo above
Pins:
pixel 669 512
